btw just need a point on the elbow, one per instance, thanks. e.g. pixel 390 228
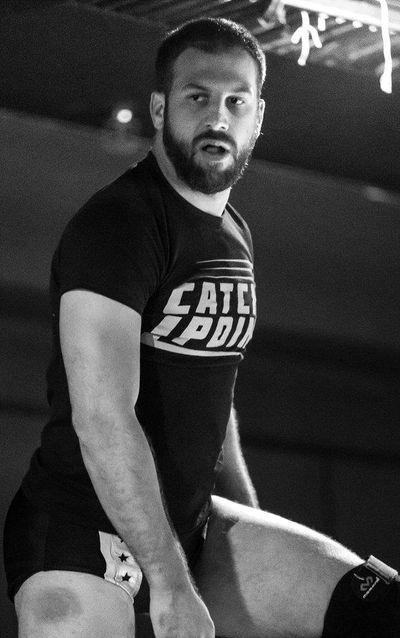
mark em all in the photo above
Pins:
pixel 87 426
pixel 91 426
pixel 101 429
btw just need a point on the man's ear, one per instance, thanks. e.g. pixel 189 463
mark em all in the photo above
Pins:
pixel 157 109
pixel 261 111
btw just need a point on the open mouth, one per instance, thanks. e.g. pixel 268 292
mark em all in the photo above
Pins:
pixel 215 149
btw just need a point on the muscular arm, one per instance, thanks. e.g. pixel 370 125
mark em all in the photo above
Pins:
pixel 100 341
pixel 234 481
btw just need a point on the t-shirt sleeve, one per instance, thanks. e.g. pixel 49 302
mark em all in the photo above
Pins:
pixel 114 248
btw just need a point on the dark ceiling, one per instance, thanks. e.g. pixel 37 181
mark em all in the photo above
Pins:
pixel 345 46
pixel 78 61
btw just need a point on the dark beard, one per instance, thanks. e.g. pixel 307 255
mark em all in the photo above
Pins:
pixel 198 178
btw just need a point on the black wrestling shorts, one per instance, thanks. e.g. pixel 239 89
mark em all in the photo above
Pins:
pixel 34 541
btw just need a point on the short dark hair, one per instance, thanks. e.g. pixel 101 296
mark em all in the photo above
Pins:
pixel 212 35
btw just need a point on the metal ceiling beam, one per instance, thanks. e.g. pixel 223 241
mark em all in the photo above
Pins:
pixel 366 12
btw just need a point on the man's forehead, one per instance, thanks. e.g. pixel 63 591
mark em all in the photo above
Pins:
pixel 231 67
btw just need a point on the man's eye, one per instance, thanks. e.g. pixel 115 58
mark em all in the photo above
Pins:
pixel 197 97
pixel 236 101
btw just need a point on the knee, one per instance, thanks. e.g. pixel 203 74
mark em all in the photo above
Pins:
pixel 45 605
pixel 56 605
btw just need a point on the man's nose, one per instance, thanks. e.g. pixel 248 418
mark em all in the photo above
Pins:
pixel 217 118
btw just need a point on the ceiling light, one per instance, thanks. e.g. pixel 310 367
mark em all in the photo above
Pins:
pixel 322 18
pixel 359 13
pixel 124 116
pixel 307 35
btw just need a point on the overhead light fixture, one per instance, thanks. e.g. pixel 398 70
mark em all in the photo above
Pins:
pixel 386 77
pixel 375 14
pixel 306 34
pixel 365 12
pixel 122 121
pixel 322 18
pixel 124 116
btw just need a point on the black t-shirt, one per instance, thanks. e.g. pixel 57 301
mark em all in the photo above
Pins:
pixel 190 276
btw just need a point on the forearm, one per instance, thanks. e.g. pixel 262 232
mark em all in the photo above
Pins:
pixel 123 472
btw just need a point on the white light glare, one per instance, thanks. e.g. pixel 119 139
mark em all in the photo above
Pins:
pixel 340 20
pixel 357 24
pixel 386 77
pixel 124 116
pixel 373 28
pixel 305 33
pixel 322 18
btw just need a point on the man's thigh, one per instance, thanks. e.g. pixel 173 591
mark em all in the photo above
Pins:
pixel 263 576
pixel 61 604
pixel 67 579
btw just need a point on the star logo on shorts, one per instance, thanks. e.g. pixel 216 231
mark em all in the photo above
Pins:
pixel 123 558
pixel 126 577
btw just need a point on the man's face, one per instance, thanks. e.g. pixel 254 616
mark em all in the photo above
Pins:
pixel 212 117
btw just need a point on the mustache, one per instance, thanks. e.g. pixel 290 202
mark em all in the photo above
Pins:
pixel 215 136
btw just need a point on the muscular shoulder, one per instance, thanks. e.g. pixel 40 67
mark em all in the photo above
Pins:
pixel 133 195
pixel 129 209
pixel 115 245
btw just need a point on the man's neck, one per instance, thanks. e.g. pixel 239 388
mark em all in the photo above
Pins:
pixel 213 204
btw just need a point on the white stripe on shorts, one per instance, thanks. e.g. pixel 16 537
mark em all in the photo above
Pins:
pixel 121 567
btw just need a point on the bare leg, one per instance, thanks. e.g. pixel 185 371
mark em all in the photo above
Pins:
pixel 263 576
pixel 61 604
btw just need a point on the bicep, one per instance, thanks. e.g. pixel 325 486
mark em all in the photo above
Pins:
pixel 100 343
